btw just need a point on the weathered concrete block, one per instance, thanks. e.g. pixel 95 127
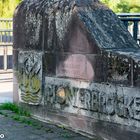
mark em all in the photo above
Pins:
pixel 76 63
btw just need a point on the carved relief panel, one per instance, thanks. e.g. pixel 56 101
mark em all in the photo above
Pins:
pixel 30 77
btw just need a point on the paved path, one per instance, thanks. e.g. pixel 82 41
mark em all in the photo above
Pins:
pixel 6 92
pixel 6 87
pixel 14 130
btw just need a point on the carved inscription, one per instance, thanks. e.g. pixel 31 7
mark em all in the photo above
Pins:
pixel 30 76
pixel 95 100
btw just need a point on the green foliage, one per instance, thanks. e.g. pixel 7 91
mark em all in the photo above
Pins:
pixel 15 108
pixel 123 6
pixel 7 7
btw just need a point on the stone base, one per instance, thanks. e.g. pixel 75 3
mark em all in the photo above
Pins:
pixel 85 125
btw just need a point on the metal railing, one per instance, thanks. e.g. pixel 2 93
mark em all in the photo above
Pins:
pixel 6 43
pixel 6 30
pixel 6 23
pixel 6 36
pixel 132 23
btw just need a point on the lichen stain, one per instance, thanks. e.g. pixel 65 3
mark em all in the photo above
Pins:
pixel 29 77
pixel 29 84
pixel 33 24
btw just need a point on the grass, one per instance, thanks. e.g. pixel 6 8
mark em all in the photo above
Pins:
pixel 21 115
pixel 15 108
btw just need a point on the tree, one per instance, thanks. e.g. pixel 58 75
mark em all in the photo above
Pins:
pixel 7 7
pixel 123 6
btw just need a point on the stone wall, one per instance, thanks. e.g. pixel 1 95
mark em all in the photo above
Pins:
pixel 76 64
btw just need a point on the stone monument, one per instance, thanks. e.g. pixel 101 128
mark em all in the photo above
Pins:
pixel 76 64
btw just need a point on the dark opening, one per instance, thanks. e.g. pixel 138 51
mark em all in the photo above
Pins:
pixel 9 62
pixel 1 62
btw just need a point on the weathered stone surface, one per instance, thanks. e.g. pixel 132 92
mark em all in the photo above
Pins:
pixel 88 67
pixel 49 64
pixel 15 59
pixel 50 22
pixel 78 65
pixel 104 102
pixel 30 77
